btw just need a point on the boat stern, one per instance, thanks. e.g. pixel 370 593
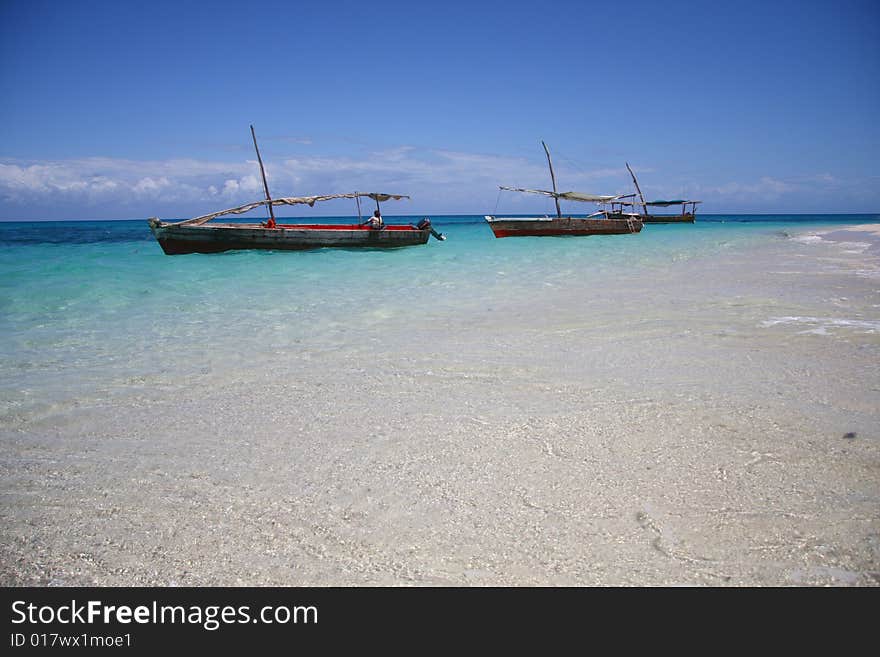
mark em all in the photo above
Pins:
pixel 425 224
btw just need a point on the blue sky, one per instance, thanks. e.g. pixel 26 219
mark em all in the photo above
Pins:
pixel 127 110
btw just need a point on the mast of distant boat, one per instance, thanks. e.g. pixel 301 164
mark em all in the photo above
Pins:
pixel 271 223
pixel 636 183
pixel 553 180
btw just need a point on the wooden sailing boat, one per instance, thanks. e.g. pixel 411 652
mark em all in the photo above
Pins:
pixel 198 236
pixel 597 223
pixel 617 208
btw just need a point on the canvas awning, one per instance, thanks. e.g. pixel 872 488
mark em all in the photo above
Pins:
pixel 663 204
pixel 380 197
pixel 292 200
pixel 570 196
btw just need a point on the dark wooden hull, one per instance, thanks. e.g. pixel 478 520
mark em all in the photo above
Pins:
pixel 216 238
pixel 667 219
pixel 659 218
pixel 560 226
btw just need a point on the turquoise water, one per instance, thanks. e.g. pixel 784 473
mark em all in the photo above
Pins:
pixel 693 404
pixel 90 309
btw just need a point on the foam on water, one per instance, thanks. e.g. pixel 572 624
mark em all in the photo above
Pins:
pixel 826 323
pixel 807 239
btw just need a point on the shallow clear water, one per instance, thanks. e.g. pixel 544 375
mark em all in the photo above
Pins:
pixel 94 308
pixel 693 404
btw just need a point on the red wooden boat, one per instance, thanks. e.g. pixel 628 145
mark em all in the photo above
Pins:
pixel 560 226
pixel 598 223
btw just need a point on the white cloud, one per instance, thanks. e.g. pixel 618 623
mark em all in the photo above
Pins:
pixel 439 181
pixel 188 180
pixel 106 187
pixel 149 186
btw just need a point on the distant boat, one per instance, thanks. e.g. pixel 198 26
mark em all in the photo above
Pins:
pixel 617 208
pixel 198 236
pixel 598 223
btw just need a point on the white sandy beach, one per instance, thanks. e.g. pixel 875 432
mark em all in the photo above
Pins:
pixel 710 422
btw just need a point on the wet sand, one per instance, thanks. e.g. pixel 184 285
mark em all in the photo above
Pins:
pixel 717 425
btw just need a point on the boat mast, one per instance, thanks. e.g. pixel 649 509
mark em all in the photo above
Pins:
pixel 265 184
pixel 636 183
pixel 553 180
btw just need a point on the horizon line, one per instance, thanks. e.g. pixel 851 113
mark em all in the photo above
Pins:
pixel 457 214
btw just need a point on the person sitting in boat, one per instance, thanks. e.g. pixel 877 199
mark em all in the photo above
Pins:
pixel 376 220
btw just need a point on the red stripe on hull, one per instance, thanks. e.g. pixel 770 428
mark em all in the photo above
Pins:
pixel 344 227
pixel 556 233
